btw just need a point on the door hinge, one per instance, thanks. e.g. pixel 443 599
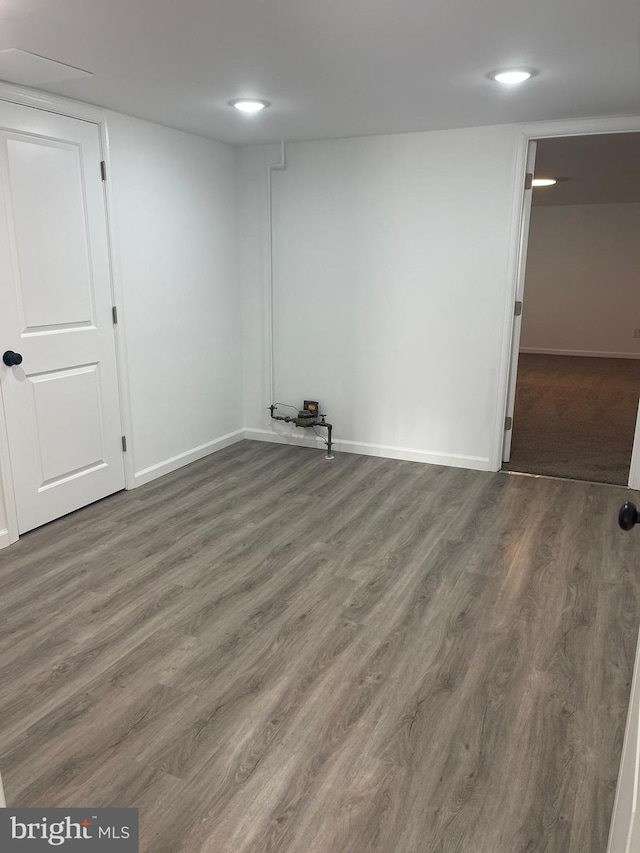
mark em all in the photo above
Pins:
pixel 528 181
pixel 124 443
pixel 103 170
pixel 114 315
pixel 508 424
pixel 518 309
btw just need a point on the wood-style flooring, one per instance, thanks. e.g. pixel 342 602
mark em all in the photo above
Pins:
pixel 266 651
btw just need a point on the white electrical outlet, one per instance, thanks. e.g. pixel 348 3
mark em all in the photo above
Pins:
pixel 636 333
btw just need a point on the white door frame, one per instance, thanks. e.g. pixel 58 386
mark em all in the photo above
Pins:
pixel 527 202
pixel 524 135
pixel 634 471
pixel 85 112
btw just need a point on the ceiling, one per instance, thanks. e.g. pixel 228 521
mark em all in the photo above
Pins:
pixel 337 67
pixel 602 169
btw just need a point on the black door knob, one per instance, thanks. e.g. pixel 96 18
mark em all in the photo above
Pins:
pixel 11 358
pixel 628 516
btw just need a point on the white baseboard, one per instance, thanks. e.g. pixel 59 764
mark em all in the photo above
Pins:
pixel 587 353
pixel 4 538
pixel 175 462
pixel 455 460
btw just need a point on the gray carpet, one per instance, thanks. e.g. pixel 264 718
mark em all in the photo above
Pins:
pixel 575 417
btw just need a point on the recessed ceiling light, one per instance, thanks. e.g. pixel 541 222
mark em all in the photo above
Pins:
pixel 249 105
pixel 543 182
pixel 512 76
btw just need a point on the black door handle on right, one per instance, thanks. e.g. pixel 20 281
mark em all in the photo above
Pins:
pixel 628 515
pixel 11 358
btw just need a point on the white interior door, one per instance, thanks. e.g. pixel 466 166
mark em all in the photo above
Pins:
pixel 522 268
pixel 624 835
pixel 61 403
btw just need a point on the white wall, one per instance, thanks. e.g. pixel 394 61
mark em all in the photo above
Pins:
pixel 581 292
pixel 176 225
pixel 392 259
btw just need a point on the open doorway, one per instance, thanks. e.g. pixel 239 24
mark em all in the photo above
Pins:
pixel 578 366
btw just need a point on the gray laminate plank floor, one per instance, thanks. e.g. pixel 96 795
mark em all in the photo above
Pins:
pixel 268 652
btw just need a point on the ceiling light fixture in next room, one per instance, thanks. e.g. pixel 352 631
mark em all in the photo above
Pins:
pixel 249 105
pixel 513 76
